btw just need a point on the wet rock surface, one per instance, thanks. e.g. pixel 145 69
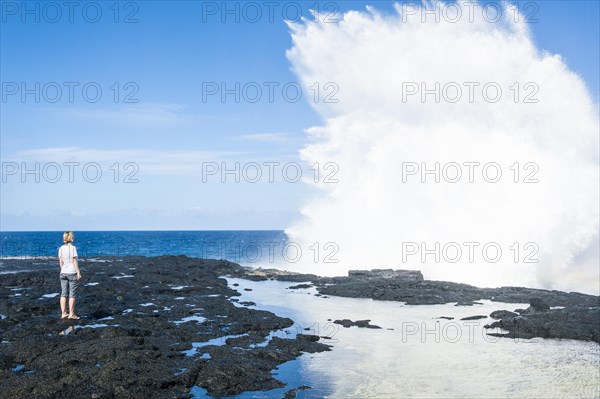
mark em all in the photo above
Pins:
pixel 477 317
pixel 579 317
pixel 574 322
pixel 150 328
pixel 404 275
pixel 502 314
pixel 299 286
pixel 291 394
pixel 428 292
pixel 347 323
pixel 155 327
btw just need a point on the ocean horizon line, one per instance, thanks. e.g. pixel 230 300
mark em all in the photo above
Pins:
pixel 135 230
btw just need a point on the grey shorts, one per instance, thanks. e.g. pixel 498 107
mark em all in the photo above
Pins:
pixel 68 285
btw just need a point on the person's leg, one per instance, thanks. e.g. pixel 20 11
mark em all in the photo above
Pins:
pixel 63 306
pixel 71 307
pixel 64 293
pixel 72 295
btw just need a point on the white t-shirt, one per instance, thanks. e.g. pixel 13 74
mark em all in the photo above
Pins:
pixel 67 253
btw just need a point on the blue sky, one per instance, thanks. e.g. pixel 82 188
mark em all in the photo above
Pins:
pixel 162 60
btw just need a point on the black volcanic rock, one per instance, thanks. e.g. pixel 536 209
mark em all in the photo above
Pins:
pixel 402 285
pixel 579 322
pixel 291 394
pixel 478 317
pixel 401 275
pixel 155 308
pixel 299 286
pixel 406 286
pixel 296 278
pixel 347 323
pixel 579 319
pixel 502 314
pixel 469 303
pixel 549 298
pixel 233 370
pixel 539 320
pixel 101 314
pixel 307 337
pixel 539 304
pixel 138 318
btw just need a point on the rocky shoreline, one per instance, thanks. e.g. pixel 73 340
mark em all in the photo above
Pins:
pixel 551 314
pixel 156 327
pixel 150 328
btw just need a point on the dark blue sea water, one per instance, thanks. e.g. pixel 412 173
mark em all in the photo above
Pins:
pixel 244 247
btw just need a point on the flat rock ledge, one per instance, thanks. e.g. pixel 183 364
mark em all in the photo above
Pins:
pixel 150 328
pixel 347 323
pixel 551 314
pixel 578 322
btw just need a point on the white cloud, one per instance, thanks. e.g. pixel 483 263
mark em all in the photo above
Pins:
pixel 269 137
pixel 129 115
pixel 161 162
pixel 156 162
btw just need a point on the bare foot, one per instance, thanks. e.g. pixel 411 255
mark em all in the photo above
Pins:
pixel 64 316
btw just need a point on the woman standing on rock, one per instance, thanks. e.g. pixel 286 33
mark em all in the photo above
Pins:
pixel 69 275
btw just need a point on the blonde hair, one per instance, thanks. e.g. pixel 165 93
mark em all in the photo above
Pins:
pixel 68 237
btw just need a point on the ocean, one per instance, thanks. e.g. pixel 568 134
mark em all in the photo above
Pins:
pixel 249 248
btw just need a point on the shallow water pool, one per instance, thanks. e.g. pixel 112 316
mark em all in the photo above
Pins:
pixel 416 354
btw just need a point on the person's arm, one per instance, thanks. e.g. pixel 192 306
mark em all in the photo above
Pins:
pixel 75 263
pixel 77 270
pixel 60 260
